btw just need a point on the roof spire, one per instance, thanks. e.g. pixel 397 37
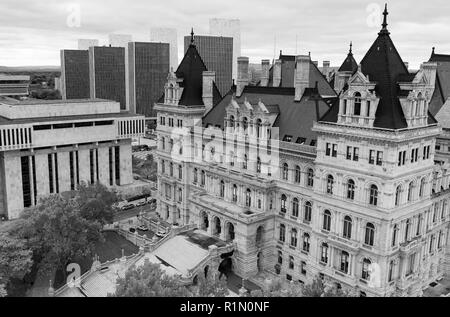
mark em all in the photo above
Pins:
pixel 384 30
pixel 192 36
pixel 432 52
pixel 351 46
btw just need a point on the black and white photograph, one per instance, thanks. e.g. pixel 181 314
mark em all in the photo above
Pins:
pixel 224 156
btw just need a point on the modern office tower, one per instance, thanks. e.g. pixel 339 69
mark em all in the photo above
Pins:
pixel 148 68
pixel 75 74
pixel 84 44
pixel 50 147
pixel 14 85
pixel 167 35
pixel 119 40
pixel 217 54
pixel 231 28
pixel 107 74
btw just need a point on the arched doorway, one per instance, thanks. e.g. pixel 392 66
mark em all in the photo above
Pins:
pixel 230 232
pixel 217 226
pixel 204 221
pixel 226 267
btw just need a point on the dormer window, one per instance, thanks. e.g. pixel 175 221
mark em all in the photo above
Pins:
pixel 357 110
pixel 231 121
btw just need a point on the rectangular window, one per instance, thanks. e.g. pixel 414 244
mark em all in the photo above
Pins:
pixel 33 162
pixel 372 157
pixel 72 171
pixel 50 173
pixel 356 154
pixel 56 173
pixel 117 160
pixel 77 164
pixel 26 181
pixel 91 165
pixel 96 165
pixel 334 153
pixel 328 149
pixel 111 167
pixel 379 158
pixel 349 152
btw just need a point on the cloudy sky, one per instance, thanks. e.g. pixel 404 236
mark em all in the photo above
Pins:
pixel 32 32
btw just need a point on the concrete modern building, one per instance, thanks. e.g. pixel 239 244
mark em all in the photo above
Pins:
pixel 75 79
pixel 14 85
pixel 148 65
pixel 167 35
pixel 309 183
pixel 217 54
pixel 228 28
pixel 49 147
pixel 84 44
pixel 107 72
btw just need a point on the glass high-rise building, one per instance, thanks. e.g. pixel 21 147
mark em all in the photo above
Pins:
pixel 75 82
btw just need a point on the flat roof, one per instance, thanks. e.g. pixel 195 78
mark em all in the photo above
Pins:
pixel 15 102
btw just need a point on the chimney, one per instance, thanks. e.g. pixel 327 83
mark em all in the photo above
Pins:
pixel 208 85
pixel 242 76
pixel 265 66
pixel 326 69
pixel 301 81
pixel 277 73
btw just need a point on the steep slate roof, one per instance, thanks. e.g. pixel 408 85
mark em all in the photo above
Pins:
pixel 383 64
pixel 191 71
pixel 349 64
pixel 295 118
pixel 442 91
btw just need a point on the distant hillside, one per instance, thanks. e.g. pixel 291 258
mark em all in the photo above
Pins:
pixel 30 69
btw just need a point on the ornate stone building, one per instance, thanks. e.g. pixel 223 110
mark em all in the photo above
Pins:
pixel 307 182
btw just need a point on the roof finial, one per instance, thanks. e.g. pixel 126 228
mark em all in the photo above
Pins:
pixel 192 36
pixel 432 52
pixel 385 13
pixel 351 46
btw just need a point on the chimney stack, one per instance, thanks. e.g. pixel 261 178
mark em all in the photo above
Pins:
pixel 265 66
pixel 208 84
pixel 301 81
pixel 277 73
pixel 242 76
pixel 326 69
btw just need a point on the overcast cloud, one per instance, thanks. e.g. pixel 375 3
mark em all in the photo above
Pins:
pixel 32 32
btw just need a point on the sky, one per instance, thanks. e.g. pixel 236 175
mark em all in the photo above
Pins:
pixel 33 32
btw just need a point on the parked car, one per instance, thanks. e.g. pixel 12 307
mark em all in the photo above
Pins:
pixel 143 228
pixel 128 207
pixel 161 234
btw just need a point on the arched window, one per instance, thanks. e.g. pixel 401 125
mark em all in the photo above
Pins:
pixel 235 195
pixel 294 238
pixel 245 123
pixel 344 262
pixel 357 109
pixel 398 193
pixel 308 212
pixel 245 163
pixel 291 262
pixel 327 220
pixel 180 172
pixel 171 169
pixel 347 227
pixel 285 171
pixel 394 235
pixel 351 189
pixel 306 242
pixel 295 207
pixel 324 253
pixel 258 165
pixel 410 192
pixel 310 178
pixel 231 121
pixel 365 274
pixel 280 257
pixel 222 189
pixel 248 198
pixel 422 188
pixel 283 203
pixel 203 178
pixel 195 176
pixel 370 234
pixel 407 229
pixel 373 198
pixel 330 184
pixel 258 128
pixel 282 233
pixel 391 271
pixel 298 173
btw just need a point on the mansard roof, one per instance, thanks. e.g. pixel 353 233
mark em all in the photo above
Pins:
pixel 191 71
pixel 384 66
pixel 295 118
pixel 442 91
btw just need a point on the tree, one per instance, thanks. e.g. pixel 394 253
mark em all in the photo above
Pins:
pixel 318 289
pixel 95 202
pixel 15 257
pixel 56 232
pixel 149 280
pixel 277 289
